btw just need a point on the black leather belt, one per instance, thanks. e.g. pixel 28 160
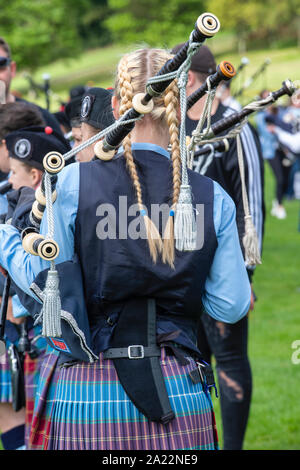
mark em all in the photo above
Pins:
pixel 135 351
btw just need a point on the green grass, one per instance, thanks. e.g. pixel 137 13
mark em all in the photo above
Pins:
pixel 96 67
pixel 273 327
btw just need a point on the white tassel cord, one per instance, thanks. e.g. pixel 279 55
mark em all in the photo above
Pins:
pixel 250 239
pixel 185 227
pixel 51 312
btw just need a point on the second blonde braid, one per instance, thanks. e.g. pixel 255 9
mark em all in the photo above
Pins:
pixel 126 95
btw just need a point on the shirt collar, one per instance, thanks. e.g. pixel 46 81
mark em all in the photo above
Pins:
pixel 147 146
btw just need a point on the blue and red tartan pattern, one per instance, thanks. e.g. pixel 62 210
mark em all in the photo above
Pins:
pixel 84 407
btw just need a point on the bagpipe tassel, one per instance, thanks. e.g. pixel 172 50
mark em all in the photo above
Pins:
pixel 251 244
pixel 185 230
pixel 52 306
pixel 250 239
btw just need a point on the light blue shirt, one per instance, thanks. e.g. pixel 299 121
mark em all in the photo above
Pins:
pixel 269 143
pixel 227 289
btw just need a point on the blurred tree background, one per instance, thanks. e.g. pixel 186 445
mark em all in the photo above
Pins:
pixel 40 31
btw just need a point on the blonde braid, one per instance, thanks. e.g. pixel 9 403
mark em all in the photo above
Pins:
pixel 126 95
pixel 171 105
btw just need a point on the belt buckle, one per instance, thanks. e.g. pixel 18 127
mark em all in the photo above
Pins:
pixel 132 355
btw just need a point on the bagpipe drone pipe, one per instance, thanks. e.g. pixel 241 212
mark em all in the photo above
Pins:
pixel 235 118
pixel 61 304
pixel 250 80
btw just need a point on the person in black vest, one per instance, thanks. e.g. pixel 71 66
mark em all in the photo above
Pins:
pixel 228 343
pixel 147 387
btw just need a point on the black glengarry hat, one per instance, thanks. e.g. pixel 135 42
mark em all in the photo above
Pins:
pixel 31 144
pixel 96 108
pixel 73 109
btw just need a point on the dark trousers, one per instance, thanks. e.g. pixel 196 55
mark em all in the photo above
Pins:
pixel 281 174
pixel 228 344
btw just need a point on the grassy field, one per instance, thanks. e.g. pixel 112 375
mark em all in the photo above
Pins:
pixel 97 67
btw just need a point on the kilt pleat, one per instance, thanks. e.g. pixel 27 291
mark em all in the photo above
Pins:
pixel 45 394
pixel 32 368
pixel 91 411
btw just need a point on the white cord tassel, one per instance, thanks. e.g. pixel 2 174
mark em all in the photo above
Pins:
pixel 52 306
pixel 51 303
pixel 250 239
pixel 185 230
pixel 250 242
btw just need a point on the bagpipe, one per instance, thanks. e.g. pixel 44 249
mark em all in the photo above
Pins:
pixel 44 88
pixel 61 306
pixel 253 77
pixel 244 61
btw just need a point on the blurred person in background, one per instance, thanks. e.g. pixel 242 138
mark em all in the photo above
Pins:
pixel 8 69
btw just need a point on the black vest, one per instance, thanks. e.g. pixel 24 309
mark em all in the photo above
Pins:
pixel 118 269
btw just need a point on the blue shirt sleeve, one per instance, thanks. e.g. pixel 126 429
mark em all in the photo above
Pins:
pixel 24 267
pixel 227 288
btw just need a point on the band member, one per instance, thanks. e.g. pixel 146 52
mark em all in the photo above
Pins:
pixel 228 343
pixel 25 148
pixel 95 115
pixel 147 386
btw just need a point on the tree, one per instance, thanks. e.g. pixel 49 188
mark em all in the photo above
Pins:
pixel 157 23
pixel 40 31
pixel 256 20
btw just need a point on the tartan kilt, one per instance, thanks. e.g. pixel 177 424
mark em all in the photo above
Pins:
pixel 44 396
pixel 32 369
pixel 91 411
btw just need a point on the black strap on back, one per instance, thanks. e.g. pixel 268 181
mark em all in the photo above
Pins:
pixel 136 358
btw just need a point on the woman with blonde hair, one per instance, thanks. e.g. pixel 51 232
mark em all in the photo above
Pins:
pixel 148 387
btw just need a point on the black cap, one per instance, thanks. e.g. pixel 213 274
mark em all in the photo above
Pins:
pixel 203 61
pixel 72 111
pixel 31 144
pixel 96 108
pixel 77 91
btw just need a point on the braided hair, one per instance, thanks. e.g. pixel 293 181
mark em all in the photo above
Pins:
pixel 133 72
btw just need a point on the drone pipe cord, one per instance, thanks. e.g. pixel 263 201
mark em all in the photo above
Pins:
pixel 225 71
pixel 220 126
pixel 206 26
